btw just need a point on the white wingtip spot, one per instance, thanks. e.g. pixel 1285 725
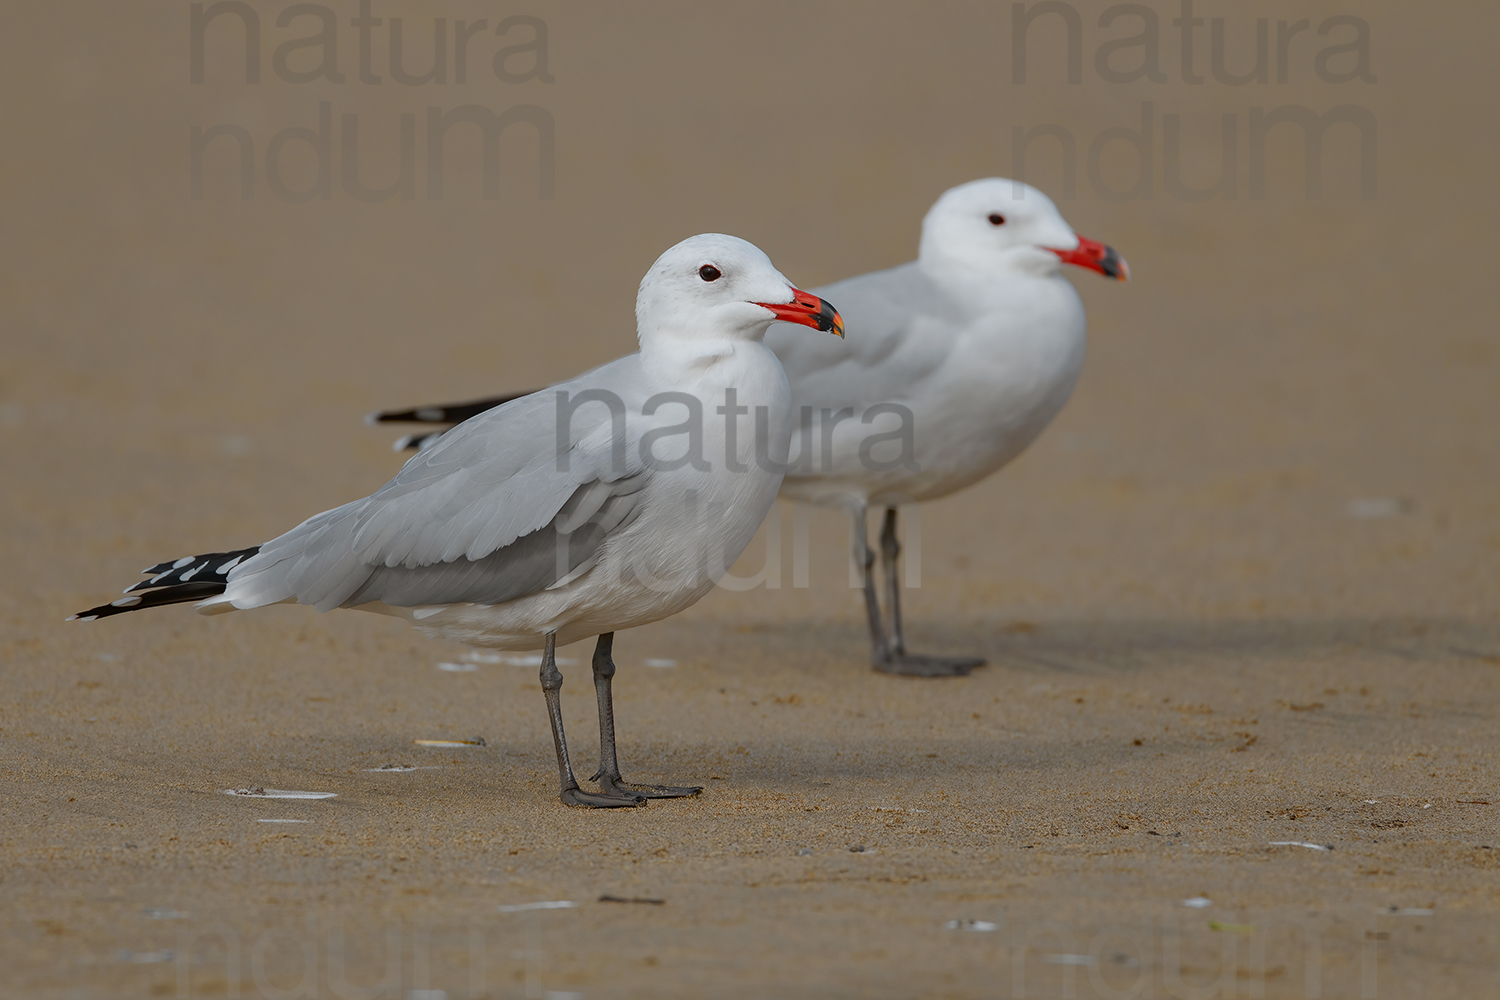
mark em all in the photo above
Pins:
pixel 184 561
pixel 231 564
pixel 373 418
pixel 402 443
pixel 125 602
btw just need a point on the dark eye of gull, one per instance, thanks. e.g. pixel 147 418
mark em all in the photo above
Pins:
pixel 996 219
pixel 709 273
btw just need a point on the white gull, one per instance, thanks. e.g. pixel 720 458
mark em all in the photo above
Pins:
pixel 603 503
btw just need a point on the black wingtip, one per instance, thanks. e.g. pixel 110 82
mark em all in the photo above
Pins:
pixel 446 413
pixel 416 442
pixel 178 581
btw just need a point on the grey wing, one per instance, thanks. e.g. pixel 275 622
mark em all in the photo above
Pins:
pixel 490 513
pixel 885 355
pixel 562 550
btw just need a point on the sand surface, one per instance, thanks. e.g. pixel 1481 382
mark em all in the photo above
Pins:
pixel 1243 592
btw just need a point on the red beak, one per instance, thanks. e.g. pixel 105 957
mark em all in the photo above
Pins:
pixel 808 310
pixel 1097 257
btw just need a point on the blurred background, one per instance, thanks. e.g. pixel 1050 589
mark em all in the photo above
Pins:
pixel 1241 593
pixel 1289 411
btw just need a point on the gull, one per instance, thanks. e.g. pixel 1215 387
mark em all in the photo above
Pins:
pixel 960 359
pixel 603 503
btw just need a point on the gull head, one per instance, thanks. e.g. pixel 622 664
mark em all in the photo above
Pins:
pixel 714 288
pixel 998 225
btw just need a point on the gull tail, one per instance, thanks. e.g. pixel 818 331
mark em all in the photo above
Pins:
pixel 445 413
pixel 191 578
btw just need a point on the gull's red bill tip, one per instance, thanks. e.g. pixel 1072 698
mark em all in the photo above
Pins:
pixel 1096 257
pixel 808 310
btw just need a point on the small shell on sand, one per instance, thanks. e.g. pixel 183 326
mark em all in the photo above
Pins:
pixel 980 926
pixel 256 792
pixel 545 904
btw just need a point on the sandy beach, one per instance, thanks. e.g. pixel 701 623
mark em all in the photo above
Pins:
pixel 1236 736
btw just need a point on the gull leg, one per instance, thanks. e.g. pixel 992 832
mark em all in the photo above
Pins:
pixel 890 549
pixel 604 673
pixel 608 775
pixel 571 794
pixel 864 557
pixel 899 661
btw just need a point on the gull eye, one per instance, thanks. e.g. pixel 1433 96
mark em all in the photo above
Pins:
pixel 996 219
pixel 709 273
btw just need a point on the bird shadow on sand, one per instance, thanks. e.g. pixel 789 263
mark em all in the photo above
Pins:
pixel 1084 647
pixel 1266 664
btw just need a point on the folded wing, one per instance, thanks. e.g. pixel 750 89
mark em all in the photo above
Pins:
pixel 506 504
pixel 890 310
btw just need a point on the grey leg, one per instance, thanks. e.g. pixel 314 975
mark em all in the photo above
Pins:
pixel 864 556
pixel 890 549
pixel 571 794
pixel 604 674
pixel 898 660
pixel 608 775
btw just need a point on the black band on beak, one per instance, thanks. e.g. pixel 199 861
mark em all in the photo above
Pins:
pixel 1112 264
pixel 829 320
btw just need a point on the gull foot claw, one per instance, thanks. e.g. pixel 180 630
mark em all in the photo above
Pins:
pixel 618 786
pixel 608 799
pixel 917 665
